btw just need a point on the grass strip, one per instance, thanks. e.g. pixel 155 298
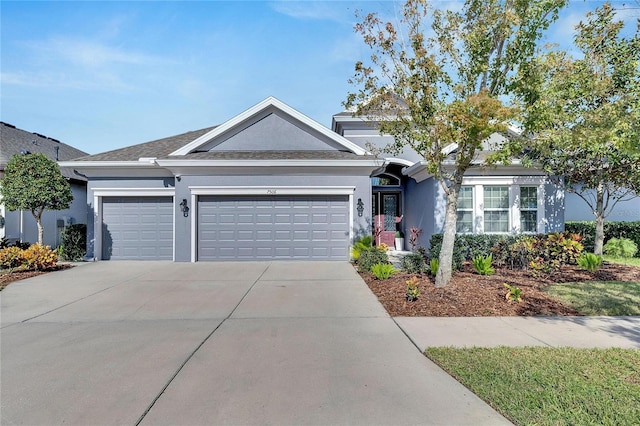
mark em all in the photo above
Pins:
pixel 631 261
pixel 612 298
pixel 550 386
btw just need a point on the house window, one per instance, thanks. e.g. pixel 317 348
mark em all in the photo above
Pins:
pixel 496 209
pixel 464 223
pixel 528 209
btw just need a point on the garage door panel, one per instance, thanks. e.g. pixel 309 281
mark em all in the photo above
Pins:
pixel 137 228
pixel 281 227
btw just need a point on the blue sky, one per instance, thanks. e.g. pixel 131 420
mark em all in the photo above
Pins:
pixel 103 75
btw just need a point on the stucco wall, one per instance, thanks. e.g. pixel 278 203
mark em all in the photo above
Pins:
pixel 420 210
pixel 576 209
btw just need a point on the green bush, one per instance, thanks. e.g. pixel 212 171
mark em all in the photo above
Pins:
pixel 361 245
pixel 483 265
pixel 620 247
pixel 413 263
pixel 382 271
pixel 434 264
pixel 468 246
pixel 74 242
pixel 589 262
pixel 587 230
pixel 369 258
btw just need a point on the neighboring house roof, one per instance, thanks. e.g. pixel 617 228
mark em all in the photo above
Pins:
pixel 14 141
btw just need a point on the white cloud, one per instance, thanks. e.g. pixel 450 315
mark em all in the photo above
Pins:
pixel 314 10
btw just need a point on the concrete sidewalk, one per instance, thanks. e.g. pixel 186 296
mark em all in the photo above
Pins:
pixel 579 332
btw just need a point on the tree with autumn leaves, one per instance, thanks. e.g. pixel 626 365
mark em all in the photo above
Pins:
pixel 441 82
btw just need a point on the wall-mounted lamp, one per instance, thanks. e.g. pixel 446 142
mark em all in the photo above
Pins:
pixel 360 207
pixel 184 208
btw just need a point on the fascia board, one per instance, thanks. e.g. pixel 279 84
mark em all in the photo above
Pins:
pixel 269 102
pixel 271 190
pixel 106 164
pixel 269 163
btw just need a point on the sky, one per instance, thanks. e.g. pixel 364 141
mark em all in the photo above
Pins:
pixel 101 75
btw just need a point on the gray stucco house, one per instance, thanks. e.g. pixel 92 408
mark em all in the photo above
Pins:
pixel 271 183
pixel 20 225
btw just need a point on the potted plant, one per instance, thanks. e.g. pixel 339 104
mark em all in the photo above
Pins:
pixel 399 240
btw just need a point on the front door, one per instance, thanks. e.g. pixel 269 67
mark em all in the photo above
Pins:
pixel 386 216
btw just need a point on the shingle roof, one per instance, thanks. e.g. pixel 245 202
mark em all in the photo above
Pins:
pixel 16 141
pixel 160 148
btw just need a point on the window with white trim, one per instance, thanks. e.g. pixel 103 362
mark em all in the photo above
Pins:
pixel 464 224
pixel 528 209
pixel 496 209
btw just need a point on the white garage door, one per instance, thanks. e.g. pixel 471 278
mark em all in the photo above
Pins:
pixel 137 228
pixel 273 227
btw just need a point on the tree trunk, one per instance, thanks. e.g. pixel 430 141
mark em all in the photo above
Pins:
pixel 599 212
pixel 445 261
pixel 38 217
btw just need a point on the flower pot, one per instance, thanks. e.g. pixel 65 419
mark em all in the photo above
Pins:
pixel 400 244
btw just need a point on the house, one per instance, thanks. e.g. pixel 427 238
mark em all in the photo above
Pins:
pixel 21 225
pixel 271 183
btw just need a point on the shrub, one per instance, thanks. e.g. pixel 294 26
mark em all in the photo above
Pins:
pixel 434 264
pixel 587 230
pixel 483 265
pixel 361 245
pixel 382 271
pixel 589 262
pixel 435 245
pixel 11 257
pixel 514 294
pixel 620 247
pixel 413 239
pixel 369 258
pixel 40 257
pixel 413 263
pixel 74 242
pixel 412 289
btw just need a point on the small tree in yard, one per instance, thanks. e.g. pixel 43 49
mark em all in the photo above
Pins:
pixel 33 182
pixel 584 115
pixel 437 81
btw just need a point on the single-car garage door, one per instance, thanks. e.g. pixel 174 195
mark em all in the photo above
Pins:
pixel 137 228
pixel 273 227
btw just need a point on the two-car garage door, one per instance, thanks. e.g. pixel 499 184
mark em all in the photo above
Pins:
pixel 305 227
pixel 273 227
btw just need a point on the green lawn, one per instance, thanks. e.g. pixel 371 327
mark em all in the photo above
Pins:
pixel 599 297
pixel 550 386
pixel 633 261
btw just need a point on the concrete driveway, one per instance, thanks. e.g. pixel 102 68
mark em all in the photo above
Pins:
pixel 215 343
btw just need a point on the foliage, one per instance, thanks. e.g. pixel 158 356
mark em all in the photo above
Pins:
pixel 360 245
pixel 383 246
pixel 399 234
pixel 514 294
pixel 5 242
pixel 608 298
pixel 382 271
pixel 434 264
pixel 412 289
pixel 40 257
pixel 11 257
pixel 590 262
pixel 550 386
pixel 587 230
pixel 413 239
pixel 74 242
pixel 413 263
pixel 33 182
pixel 620 247
pixel 584 114
pixel 369 258
pixel 430 92
pixel 482 264
pixel 468 246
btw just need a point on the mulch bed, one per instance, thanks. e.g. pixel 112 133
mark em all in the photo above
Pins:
pixel 472 295
pixel 7 278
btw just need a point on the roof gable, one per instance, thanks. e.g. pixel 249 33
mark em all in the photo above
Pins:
pixel 270 125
